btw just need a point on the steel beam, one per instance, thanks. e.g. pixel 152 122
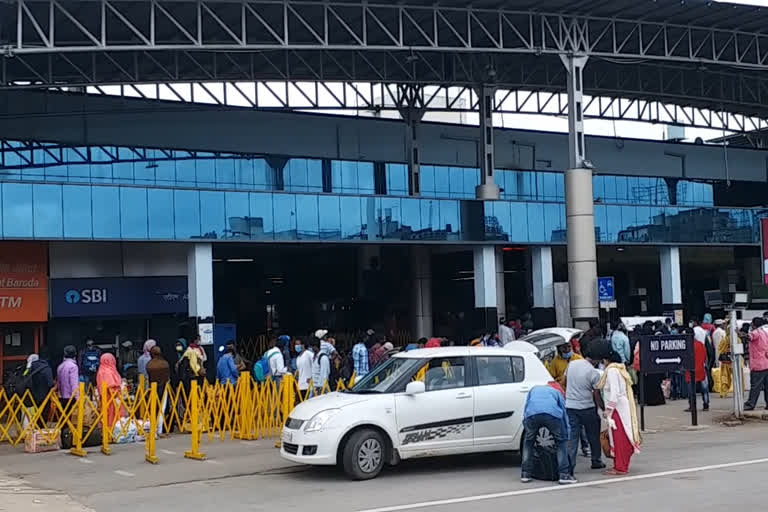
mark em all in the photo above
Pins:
pixel 46 26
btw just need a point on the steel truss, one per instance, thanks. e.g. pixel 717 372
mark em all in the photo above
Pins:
pixel 43 26
pixel 34 154
pixel 376 98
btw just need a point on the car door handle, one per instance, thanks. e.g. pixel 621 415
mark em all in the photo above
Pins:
pixel 463 396
pixel 525 389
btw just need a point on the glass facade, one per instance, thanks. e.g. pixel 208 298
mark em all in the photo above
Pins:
pixel 54 192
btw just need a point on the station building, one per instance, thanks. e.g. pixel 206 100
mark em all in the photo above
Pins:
pixel 133 218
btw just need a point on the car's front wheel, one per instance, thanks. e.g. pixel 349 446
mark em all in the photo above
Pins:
pixel 364 455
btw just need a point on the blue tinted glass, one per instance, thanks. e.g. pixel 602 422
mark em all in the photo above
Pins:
pixel 144 172
pixel 471 181
pixel 165 174
pixel 101 173
pixel 351 218
pixel 390 215
pixel 350 182
pixel 17 210
pixel 428 181
pixel 106 212
pixel 450 219
pixel 244 173
pixel 497 220
pixel 307 217
pixel 411 216
pixel 133 212
pixel 160 212
pixel 518 218
pixel 329 218
pixel 365 173
pixel 554 220
pixel 430 215
pixel 186 173
pixel 263 175
pixel 370 207
pixel 285 216
pixel 296 175
pixel 442 180
pixel 77 211
pixel 618 219
pixel 238 212
pixel 225 172
pixel 315 175
pixel 456 182
pixel 601 226
pixel 186 213
pixel 212 214
pixel 205 172
pixel 536 223
pixel 397 179
pixel 560 186
pixel 123 172
pixel 48 211
pixel 260 224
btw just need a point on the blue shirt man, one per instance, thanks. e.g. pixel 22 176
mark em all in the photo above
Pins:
pixel 545 409
pixel 226 369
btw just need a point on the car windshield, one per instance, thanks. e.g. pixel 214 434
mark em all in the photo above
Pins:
pixel 383 377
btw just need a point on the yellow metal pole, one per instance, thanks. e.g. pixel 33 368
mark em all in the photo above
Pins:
pixel 105 426
pixel 77 435
pixel 151 439
pixel 194 419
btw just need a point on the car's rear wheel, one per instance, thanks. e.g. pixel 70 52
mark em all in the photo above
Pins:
pixel 364 455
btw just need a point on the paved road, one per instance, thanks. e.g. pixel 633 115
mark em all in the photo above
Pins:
pixel 674 469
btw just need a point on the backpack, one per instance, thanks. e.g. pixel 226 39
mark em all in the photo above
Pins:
pixel 91 360
pixel 261 368
pixel 18 383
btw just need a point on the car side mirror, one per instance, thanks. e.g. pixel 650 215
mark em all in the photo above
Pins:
pixel 415 388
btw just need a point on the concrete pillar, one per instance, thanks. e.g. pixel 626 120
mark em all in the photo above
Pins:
pixel 543 282
pixel 501 292
pixel 421 308
pixel 579 204
pixel 412 119
pixel 488 189
pixel 486 290
pixel 200 281
pixel 671 287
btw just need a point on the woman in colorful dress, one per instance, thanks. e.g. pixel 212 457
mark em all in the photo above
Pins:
pixel 621 414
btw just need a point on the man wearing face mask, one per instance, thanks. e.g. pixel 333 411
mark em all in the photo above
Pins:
pixel 304 369
pixel 559 363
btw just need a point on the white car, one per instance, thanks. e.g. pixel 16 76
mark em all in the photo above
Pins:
pixel 422 403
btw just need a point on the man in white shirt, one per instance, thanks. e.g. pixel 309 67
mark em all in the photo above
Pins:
pixel 718 336
pixel 506 334
pixel 304 368
pixel 276 361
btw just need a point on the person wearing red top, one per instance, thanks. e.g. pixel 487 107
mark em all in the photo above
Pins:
pixel 758 363
pixel 700 372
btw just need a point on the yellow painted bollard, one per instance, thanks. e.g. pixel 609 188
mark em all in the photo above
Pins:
pixel 105 426
pixel 77 434
pixel 151 440
pixel 194 419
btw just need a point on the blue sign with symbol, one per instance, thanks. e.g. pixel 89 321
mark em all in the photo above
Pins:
pixel 117 296
pixel 605 291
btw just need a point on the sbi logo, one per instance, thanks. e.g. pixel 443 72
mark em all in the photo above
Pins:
pixel 87 296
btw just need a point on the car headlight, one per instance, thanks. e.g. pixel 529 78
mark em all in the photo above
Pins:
pixel 320 419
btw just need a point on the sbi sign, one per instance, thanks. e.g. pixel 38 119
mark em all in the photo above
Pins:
pixel 86 296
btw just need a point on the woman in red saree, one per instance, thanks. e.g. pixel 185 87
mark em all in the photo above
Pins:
pixel 108 375
pixel 621 414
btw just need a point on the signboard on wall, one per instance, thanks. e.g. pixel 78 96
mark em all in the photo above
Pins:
pixel 23 282
pixel 118 296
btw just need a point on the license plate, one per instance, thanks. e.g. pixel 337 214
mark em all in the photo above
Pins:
pixel 287 436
